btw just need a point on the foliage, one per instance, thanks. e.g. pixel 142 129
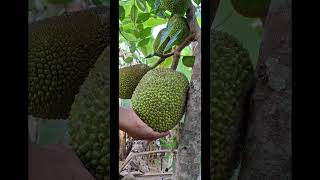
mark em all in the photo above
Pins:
pixel 140 22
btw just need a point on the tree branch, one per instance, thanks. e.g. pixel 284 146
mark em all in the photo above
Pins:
pixel 175 52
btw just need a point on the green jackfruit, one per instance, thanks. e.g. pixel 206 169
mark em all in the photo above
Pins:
pixel 231 75
pixel 129 77
pixel 251 8
pixel 175 6
pixel 89 120
pixel 178 23
pixel 156 47
pixel 160 97
pixel 62 49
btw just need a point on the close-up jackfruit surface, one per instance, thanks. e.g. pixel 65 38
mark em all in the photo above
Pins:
pixel 175 6
pixel 62 50
pixel 231 75
pixel 160 98
pixel 89 120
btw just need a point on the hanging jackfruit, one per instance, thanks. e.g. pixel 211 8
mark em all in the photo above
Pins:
pixel 231 75
pixel 129 77
pixel 89 120
pixel 160 97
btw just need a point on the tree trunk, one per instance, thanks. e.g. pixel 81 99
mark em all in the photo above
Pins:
pixel 268 154
pixel 189 150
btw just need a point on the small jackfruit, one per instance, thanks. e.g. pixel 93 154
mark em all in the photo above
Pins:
pixel 160 97
pixel 251 8
pixel 231 75
pixel 62 49
pixel 178 23
pixel 156 47
pixel 129 77
pixel 175 6
pixel 89 120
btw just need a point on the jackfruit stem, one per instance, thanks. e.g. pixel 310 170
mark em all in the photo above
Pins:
pixel 175 53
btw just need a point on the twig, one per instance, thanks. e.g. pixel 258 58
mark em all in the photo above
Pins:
pixel 156 174
pixel 141 154
pixel 140 174
pixel 176 51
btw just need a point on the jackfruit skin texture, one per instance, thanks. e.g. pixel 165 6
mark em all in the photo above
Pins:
pixel 160 97
pixel 89 120
pixel 129 77
pixel 251 8
pixel 231 74
pixel 156 43
pixel 175 6
pixel 62 49
pixel 179 23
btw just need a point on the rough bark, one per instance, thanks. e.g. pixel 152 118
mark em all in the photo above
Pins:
pixel 268 154
pixel 189 150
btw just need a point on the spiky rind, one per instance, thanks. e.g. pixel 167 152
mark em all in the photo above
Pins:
pixel 62 49
pixel 129 77
pixel 176 6
pixel 230 76
pixel 160 97
pixel 89 120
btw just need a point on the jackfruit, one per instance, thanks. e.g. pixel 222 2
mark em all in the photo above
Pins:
pixel 62 49
pixel 175 6
pixel 89 120
pixel 178 23
pixel 129 78
pixel 251 8
pixel 156 47
pixel 160 97
pixel 231 75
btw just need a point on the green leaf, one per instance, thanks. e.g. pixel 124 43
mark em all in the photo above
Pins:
pixel 132 47
pixel 188 60
pixel 128 60
pixel 142 17
pixel 152 22
pixel 141 5
pixel 151 3
pixel 127 27
pixel 122 13
pixel 166 63
pixel 128 36
pixel 134 14
pixel 140 27
pixel 146 32
pixel 143 42
pixel 197 1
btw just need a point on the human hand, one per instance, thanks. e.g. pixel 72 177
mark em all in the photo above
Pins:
pixel 130 122
pixel 52 162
